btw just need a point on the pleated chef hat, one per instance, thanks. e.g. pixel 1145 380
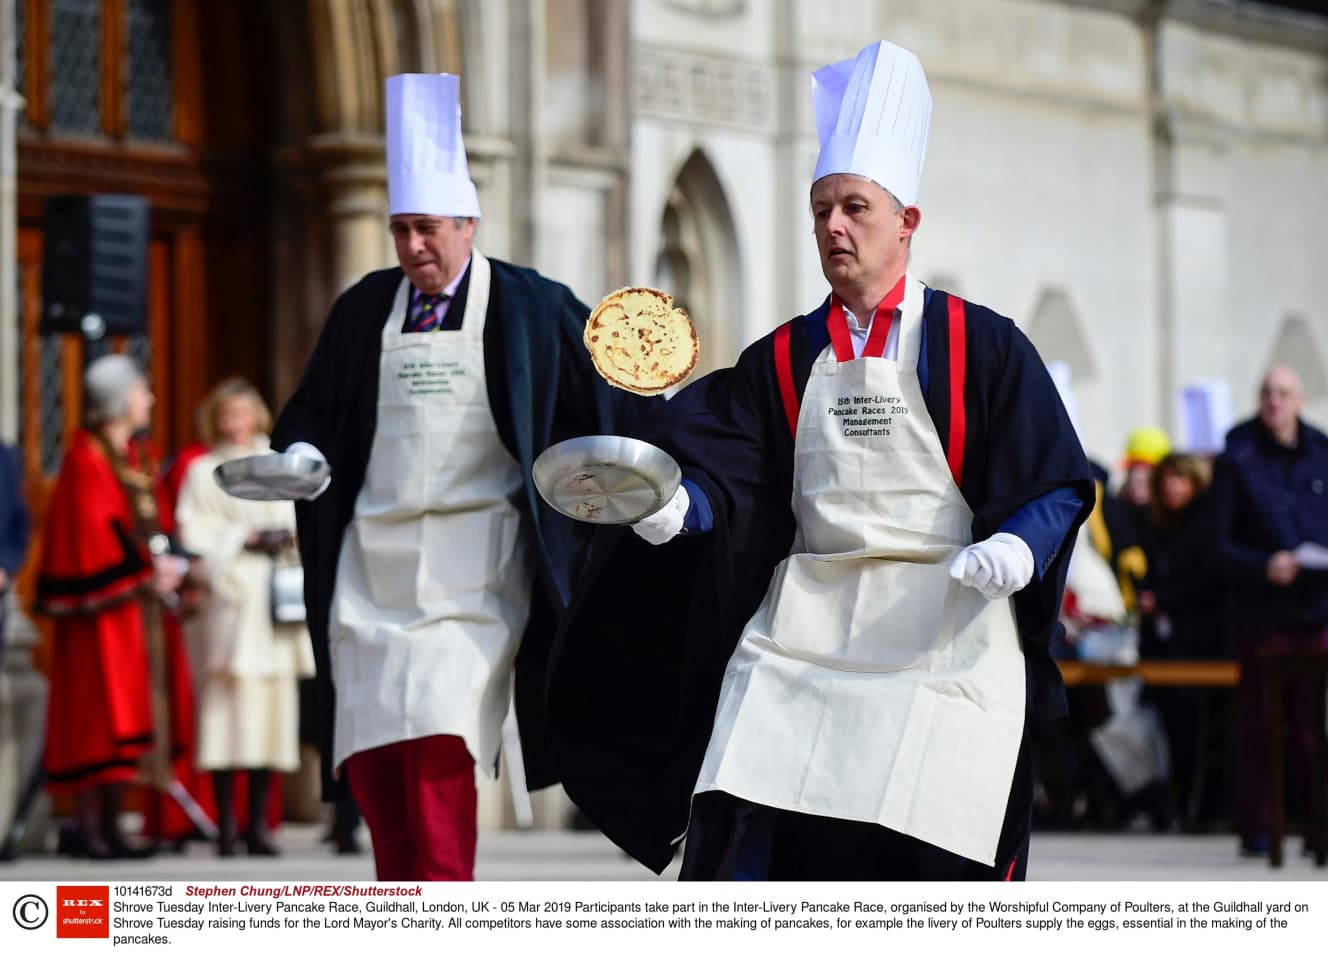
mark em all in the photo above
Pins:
pixel 426 160
pixel 873 113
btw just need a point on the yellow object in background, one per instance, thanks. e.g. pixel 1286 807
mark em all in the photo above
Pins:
pixel 1147 445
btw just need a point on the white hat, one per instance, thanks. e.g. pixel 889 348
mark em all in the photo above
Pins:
pixel 426 161
pixel 873 113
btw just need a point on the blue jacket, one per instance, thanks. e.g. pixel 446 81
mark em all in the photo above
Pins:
pixel 15 525
pixel 1267 497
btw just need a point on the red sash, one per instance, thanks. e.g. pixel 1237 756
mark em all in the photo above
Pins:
pixel 837 323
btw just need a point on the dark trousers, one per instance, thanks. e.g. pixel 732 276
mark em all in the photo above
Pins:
pixel 1253 798
pixel 733 839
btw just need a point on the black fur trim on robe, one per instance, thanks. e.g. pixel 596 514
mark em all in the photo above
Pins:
pixel 542 389
pixel 635 675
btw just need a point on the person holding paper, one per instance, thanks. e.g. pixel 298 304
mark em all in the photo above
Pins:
pixel 836 678
pixel 429 557
pixel 1269 499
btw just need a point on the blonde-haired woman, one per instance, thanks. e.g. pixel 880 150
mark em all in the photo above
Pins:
pixel 249 665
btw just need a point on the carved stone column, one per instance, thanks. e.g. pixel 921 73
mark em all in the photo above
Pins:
pixel 352 171
pixel 10 106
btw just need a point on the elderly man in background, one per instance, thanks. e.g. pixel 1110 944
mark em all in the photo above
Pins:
pixel 1268 499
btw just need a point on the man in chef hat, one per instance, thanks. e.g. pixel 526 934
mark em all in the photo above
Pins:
pixel 428 558
pixel 894 487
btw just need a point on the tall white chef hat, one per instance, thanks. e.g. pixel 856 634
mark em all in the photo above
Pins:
pixel 426 161
pixel 873 113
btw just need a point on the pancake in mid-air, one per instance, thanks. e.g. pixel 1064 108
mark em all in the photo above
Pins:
pixel 641 342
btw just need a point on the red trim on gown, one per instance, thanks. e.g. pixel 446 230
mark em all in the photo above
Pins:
pixel 99 719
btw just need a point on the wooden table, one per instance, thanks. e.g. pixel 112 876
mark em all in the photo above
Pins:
pixel 1155 673
pixel 1168 673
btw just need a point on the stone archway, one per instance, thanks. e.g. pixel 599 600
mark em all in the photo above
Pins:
pixel 1057 331
pixel 698 260
pixel 329 173
pixel 1298 347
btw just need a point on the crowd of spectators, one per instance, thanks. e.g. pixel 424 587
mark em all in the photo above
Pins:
pixel 1195 557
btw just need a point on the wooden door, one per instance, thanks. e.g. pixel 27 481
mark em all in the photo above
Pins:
pixel 115 103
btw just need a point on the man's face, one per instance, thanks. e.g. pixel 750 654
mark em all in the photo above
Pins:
pixel 862 240
pixel 1280 400
pixel 431 249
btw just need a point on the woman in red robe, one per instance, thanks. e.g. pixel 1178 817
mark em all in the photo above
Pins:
pixel 108 578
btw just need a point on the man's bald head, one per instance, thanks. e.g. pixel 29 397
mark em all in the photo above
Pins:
pixel 1281 396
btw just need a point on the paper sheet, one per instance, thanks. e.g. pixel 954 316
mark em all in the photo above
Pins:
pixel 1311 555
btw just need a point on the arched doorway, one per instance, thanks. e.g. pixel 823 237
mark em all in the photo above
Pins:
pixel 1056 330
pixel 698 261
pixel 1298 347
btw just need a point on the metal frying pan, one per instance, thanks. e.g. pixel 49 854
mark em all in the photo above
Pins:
pixel 606 479
pixel 272 478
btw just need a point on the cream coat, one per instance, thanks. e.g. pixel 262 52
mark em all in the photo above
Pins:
pixel 247 666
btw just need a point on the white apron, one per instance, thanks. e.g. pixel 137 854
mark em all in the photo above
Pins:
pixel 433 583
pixel 869 685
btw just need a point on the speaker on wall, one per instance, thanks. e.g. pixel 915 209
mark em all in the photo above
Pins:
pixel 95 265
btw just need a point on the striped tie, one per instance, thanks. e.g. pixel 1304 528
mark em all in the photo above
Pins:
pixel 426 311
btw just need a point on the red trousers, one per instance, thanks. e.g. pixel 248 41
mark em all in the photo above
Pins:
pixel 418 799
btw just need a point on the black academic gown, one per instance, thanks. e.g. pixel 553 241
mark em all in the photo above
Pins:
pixel 635 674
pixel 542 389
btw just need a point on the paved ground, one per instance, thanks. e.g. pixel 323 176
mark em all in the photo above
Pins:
pixel 588 856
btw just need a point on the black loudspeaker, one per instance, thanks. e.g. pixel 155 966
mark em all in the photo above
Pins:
pixel 95 265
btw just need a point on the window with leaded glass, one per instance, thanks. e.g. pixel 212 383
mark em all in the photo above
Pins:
pixel 51 376
pixel 97 68
pixel 148 78
pixel 75 65
pixel 47 397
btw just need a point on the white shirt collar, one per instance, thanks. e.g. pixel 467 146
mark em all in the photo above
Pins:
pixel 450 289
pixel 853 321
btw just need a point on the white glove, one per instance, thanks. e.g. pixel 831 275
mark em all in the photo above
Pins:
pixel 309 451
pixel 996 567
pixel 659 528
